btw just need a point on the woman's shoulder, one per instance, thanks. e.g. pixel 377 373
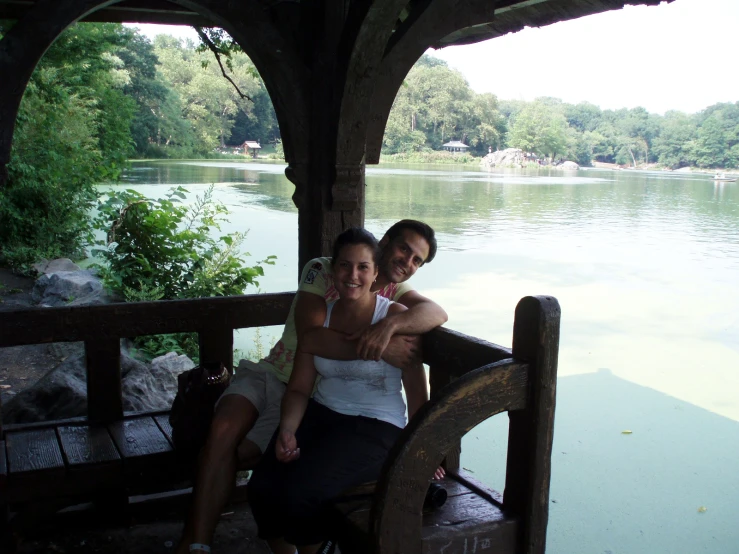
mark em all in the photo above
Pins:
pixel 387 306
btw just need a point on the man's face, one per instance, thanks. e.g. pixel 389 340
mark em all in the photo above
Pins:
pixel 402 257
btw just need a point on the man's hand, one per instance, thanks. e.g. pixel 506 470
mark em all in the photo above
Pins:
pixel 403 351
pixel 372 341
pixel 286 447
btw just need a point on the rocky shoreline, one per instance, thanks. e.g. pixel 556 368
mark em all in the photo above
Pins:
pixel 48 381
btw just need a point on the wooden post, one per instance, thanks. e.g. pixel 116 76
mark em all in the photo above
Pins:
pixel 531 430
pixel 104 396
pixel 439 377
pixel 217 345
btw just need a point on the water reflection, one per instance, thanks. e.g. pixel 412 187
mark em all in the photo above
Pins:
pixel 645 266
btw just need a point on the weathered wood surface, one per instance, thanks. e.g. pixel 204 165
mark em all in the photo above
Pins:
pixel 478 395
pixel 133 319
pixel 166 428
pixel 468 517
pixel 104 397
pixel 460 353
pixel 139 437
pixel 33 451
pixel 83 445
pixel 531 430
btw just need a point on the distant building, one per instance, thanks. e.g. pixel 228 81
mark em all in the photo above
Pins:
pixel 455 146
pixel 253 145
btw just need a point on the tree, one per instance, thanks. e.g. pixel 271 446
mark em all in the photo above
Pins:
pixel 73 130
pixel 541 129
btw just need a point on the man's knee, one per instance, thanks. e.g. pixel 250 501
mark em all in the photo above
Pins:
pixel 233 419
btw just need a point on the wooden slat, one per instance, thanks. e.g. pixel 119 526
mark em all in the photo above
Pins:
pixel 439 377
pixel 32 451
pixel 104 396
pixel 163 422
pixel 460 353
pixel 85 445
pixel 132 319
pixel 138 437
pixel 531 430
pixel 468 482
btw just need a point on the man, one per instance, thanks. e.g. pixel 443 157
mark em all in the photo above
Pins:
pixel 248 413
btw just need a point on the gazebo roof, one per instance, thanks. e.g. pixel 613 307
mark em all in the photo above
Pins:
pixel 455 144
pixel 510 15
pixel 252 144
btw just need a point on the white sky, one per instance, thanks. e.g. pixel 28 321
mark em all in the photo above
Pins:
pixel 678 56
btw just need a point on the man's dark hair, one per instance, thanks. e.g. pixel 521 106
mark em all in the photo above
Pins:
pixel 357 235
pixel 417 227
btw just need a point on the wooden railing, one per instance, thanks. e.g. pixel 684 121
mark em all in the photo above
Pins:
pixel 470 380
pixel 102 327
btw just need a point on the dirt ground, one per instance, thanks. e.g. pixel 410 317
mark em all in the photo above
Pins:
pixel 21 367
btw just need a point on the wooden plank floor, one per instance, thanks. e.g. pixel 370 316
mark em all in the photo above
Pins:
pixel 471 520
pixel 75 458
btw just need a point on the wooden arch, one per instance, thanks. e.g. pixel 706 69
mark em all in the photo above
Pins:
pixel 275 59
pixel 441 424
pixel 331 67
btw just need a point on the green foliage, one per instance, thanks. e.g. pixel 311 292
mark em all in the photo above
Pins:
pixel 435 105
pixel 540 128
pixel 72 131
pixel 163 249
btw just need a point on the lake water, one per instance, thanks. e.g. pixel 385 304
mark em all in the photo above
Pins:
pixel 646 269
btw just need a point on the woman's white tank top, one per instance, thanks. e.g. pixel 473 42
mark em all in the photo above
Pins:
pixel 361 387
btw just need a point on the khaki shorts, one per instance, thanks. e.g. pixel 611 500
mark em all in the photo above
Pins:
pixel 265 391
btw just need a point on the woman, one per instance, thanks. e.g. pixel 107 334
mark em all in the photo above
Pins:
pixel 341 437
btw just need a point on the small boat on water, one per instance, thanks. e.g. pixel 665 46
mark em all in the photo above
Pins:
pixel 723 178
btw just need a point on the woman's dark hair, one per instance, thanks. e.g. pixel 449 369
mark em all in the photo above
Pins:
pixel 357 235
pixel 418 227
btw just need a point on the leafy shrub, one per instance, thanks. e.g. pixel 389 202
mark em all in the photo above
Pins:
pixel 162 249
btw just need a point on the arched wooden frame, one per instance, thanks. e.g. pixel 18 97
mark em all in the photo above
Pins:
pixel 468 401
pixel 284 75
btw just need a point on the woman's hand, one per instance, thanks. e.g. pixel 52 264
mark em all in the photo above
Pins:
pixel 286 447
pixel 439 473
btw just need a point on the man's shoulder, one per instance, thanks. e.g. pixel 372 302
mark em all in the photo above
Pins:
pixel 315 268
pixel 394 291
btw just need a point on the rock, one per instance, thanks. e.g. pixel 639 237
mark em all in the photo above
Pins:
pixel 69 288
pixel 568 165
pixel 686 169
pixel 62 392
pixel 54 266
pixel 510 157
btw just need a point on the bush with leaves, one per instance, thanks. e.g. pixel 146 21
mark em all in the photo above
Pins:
pixel 163 249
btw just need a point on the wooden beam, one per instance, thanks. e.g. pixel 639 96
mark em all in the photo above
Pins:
pixel 104 395
pixel 531 430
pixel 91 323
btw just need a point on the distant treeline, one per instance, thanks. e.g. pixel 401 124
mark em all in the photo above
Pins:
pixel 436 105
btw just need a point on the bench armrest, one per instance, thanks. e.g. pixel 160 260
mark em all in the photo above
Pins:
pixel 439 424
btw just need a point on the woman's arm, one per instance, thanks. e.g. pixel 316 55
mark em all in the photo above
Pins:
pixel 294 403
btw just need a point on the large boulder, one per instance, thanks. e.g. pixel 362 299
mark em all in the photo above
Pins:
pixel 568 166
pixel 53 266
pixel 80 287
pixel 62 392
pixel 510 157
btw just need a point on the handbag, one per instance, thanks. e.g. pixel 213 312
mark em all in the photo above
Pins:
pixel 198 390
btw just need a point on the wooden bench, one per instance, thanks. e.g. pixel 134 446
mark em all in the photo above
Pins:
pixel 471 380
pixel 110 454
